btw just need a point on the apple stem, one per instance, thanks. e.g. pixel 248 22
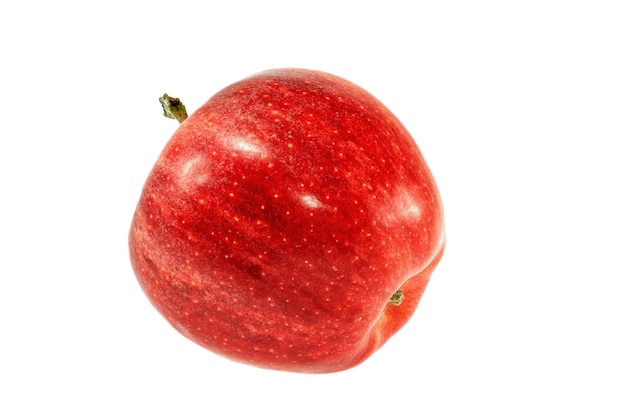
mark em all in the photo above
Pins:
pixel 173 108
pixel 397 298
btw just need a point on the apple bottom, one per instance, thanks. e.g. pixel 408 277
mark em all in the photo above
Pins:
pixel 281 351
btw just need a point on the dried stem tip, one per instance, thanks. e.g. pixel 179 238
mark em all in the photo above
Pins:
pixel 173 108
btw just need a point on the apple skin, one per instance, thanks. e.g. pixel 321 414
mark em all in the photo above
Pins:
pixel 281 217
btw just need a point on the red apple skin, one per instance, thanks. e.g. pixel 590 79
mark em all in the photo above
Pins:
pixel 281 217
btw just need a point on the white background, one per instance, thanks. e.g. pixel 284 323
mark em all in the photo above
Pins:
pixel 519 108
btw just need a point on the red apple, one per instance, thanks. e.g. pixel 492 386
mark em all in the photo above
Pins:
pixel 290 223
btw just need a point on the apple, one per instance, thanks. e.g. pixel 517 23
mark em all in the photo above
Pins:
pixel 290 223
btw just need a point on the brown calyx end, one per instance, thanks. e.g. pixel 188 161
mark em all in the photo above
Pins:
pixel 397 298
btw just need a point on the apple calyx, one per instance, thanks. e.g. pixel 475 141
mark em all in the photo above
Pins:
pixel 173 108
pixel 397 298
